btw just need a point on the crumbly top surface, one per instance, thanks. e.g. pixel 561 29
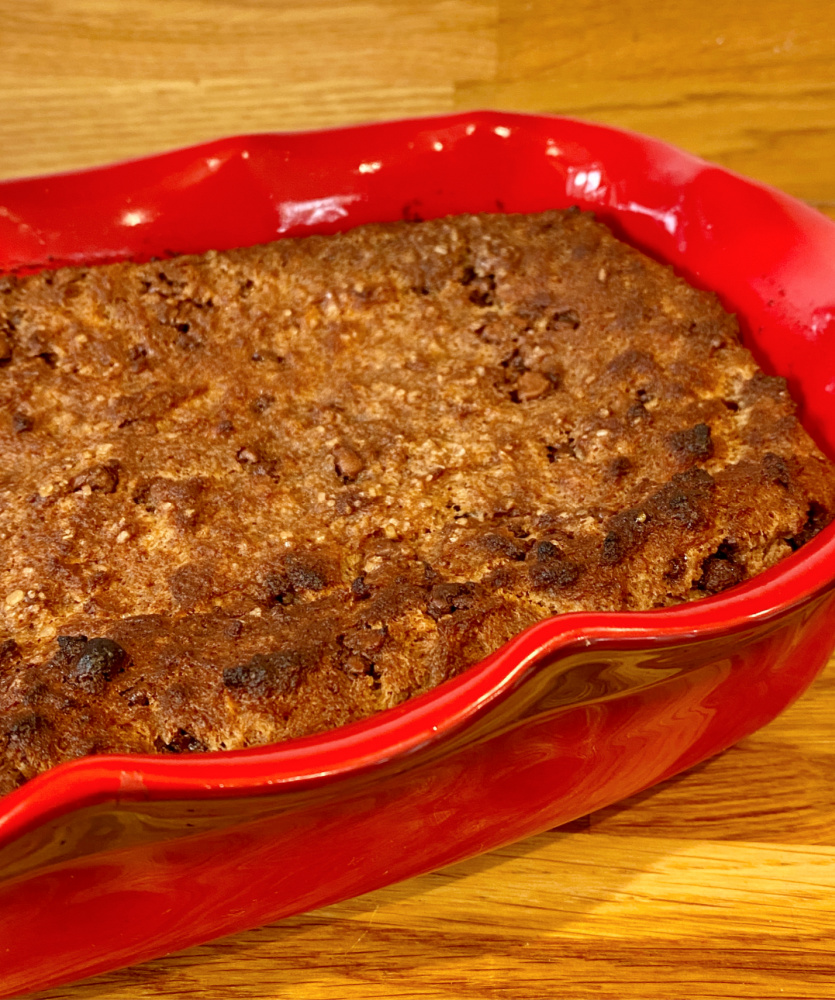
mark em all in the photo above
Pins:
pixel 256 494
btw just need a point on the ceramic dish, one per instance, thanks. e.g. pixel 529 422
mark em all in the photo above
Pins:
pixel 107 861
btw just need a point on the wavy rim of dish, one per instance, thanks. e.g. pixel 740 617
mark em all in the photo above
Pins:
pixel 430 717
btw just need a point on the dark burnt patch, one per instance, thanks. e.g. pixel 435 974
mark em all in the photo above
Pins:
pixel 550 570
pixel 776 470
pixel 683 503
pixel 360 589
pixel 502 544
pixel 26 735
pixel 481 288
pixel 9 653
pixel 763 387
pixel 182 742
pixel 691 445
pixel 817 518
pixel 618 468
pixel 685 499
pixel 267 675
pixel 447 598
pixel 308 571
pixel 22 423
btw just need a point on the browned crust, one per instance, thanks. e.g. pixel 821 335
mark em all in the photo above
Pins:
pixel 299 483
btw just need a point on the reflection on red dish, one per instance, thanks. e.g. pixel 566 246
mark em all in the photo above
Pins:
pixel 111 860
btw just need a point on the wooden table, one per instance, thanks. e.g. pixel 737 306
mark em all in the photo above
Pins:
pixel 720 883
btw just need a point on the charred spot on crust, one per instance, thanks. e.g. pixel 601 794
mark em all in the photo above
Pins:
pixel 683 502
pixel 616 546
pixel 720 570
pixel 9 652
pixel 21 423
pixel 776 470
pixel 686 498
pixel 546 550
pixel 553 573
pixel 501 578
pixel 26 733
pixel 692 445
pixel 182 742
pixel 618 467
pixel 266 674
pixel 277 588
pixel 100 661
pixel 307 571
pixel 482 288
pixel 817 518
pixel 503 545
pixel 762 386
pixel 447 598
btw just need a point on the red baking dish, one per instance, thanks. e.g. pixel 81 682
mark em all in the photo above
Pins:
pixel 107 861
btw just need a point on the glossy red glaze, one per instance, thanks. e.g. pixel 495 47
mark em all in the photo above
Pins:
pixel 111 860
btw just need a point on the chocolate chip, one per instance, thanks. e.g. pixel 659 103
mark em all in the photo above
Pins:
pixel 360 589
pixel 101 660
pixel 270 674
pixel 446 598
pixel 22 423
pixel 71 647
pixel 546 550
pixel 720 571
pixel 502 545
pixel 553 574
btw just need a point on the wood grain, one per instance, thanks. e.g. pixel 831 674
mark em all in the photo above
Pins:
pixel 717 884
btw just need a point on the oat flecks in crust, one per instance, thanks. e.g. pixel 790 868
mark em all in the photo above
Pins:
pixel 257 494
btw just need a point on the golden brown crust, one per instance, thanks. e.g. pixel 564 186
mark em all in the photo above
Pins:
pixel 257 494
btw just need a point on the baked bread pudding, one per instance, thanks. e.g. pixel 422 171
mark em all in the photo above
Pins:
pixel 257 494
